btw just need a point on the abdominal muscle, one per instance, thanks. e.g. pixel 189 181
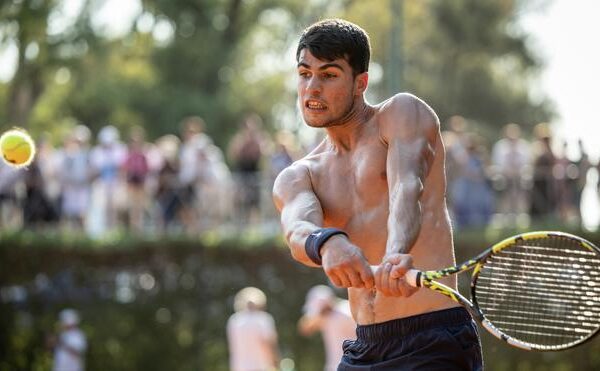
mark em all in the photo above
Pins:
pixel 370 306
pixel 433 250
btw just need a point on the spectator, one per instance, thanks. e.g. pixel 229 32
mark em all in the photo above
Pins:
pixel 331 316
pixel 251 333
pixel 472 198
pixel 215 186
pixel 245 152
pixel 106 160
pixel 543 193
pixel 511 160
pixel 192 138
pixel 38 209
pixel 167 191
pixel 70 344
pixel 74 176
pixel 48 162
pixel 10 178
pixel 583 165
pixel 281 156
pixel 565 174
pixel 454 139
pixel 136 170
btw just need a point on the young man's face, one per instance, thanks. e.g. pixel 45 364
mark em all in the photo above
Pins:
pixel 326 89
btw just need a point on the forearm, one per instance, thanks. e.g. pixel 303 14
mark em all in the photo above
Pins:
pixel 309 324
pixel 275 355
pixel 404 221
pixel 296 237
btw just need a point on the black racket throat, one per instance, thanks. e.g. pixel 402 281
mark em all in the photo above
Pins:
pixel 418 279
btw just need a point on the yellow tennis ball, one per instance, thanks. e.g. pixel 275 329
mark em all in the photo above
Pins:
pixel 17 147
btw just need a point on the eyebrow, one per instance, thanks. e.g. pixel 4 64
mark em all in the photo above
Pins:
pixel 323 67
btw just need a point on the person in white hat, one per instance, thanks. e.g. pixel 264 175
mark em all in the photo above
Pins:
pixel 71 344
pixel 326 313
pixel 251 333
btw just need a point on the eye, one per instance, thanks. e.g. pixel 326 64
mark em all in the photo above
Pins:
pixel 304 74
pixel 329 75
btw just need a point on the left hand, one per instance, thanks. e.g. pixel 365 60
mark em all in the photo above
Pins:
pixel 389 277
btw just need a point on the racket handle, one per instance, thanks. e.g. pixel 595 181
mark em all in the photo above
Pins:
pixel 412 276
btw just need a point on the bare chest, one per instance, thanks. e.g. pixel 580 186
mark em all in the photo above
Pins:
pixel 352 187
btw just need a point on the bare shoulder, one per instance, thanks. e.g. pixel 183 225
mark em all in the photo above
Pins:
pixel 405 116
pixel 296 172
pixel 292 180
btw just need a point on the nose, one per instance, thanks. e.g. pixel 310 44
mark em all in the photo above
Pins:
pixel 313 86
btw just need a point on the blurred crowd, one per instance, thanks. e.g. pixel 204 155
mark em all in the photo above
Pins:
pixel 176 184
pixel 186 184
pixel 514 182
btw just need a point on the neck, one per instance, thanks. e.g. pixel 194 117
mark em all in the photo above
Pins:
pixel 344 135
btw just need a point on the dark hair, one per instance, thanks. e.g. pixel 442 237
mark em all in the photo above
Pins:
pixel 331 39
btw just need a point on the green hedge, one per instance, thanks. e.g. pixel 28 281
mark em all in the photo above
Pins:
pixel 179 323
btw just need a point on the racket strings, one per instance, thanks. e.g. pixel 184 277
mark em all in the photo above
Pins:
pixel 542 291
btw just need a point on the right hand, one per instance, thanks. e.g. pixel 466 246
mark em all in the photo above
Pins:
pixel 390 275
pixel 345 264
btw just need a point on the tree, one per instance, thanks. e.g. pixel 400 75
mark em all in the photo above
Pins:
pixel 25 25
pixel 464 57
pixel 222 59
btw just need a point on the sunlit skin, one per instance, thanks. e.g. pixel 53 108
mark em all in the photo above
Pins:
pixel 328 93
pixel 379 176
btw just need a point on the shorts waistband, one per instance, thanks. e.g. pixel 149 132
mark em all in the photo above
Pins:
pixel 409 325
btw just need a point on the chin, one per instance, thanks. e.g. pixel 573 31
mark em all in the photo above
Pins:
pixel 315 122
pixel 319 124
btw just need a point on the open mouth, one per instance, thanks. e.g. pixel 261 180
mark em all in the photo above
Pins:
pixel 315 105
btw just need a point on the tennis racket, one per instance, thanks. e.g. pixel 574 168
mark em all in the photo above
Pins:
pixel 536 291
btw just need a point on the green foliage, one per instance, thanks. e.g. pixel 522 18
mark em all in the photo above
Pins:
pixel 464 57
pixel 180 295
pixel 179 323
pixel 223 59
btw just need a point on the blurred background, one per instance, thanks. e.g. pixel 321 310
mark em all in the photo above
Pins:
pixel 161 125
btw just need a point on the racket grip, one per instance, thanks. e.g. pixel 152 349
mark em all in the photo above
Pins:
pixel 412 276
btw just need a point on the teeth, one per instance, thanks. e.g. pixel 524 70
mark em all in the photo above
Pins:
pixel 315 105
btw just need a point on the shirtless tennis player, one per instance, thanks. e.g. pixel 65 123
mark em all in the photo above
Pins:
pixel 373 193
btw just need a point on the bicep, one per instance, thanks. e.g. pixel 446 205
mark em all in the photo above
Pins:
pixel 408 162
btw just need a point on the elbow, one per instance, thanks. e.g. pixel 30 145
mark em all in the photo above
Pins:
pixel 296 255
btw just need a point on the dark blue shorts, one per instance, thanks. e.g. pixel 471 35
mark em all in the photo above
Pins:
pixel 443 340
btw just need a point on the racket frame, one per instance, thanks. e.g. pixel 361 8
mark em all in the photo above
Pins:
pixel 428 279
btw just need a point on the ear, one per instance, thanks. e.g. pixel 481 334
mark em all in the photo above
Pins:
pixel 361 83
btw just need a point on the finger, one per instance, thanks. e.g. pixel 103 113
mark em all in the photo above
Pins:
pixel 377 277
pixel 367 277
pixel 403 265
pixel 344 279
pixel 404 289
pixel 398 271
pixel 395 286
pixel 392 287
pixel 355 279
pixel 385 279
pixel 334 279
